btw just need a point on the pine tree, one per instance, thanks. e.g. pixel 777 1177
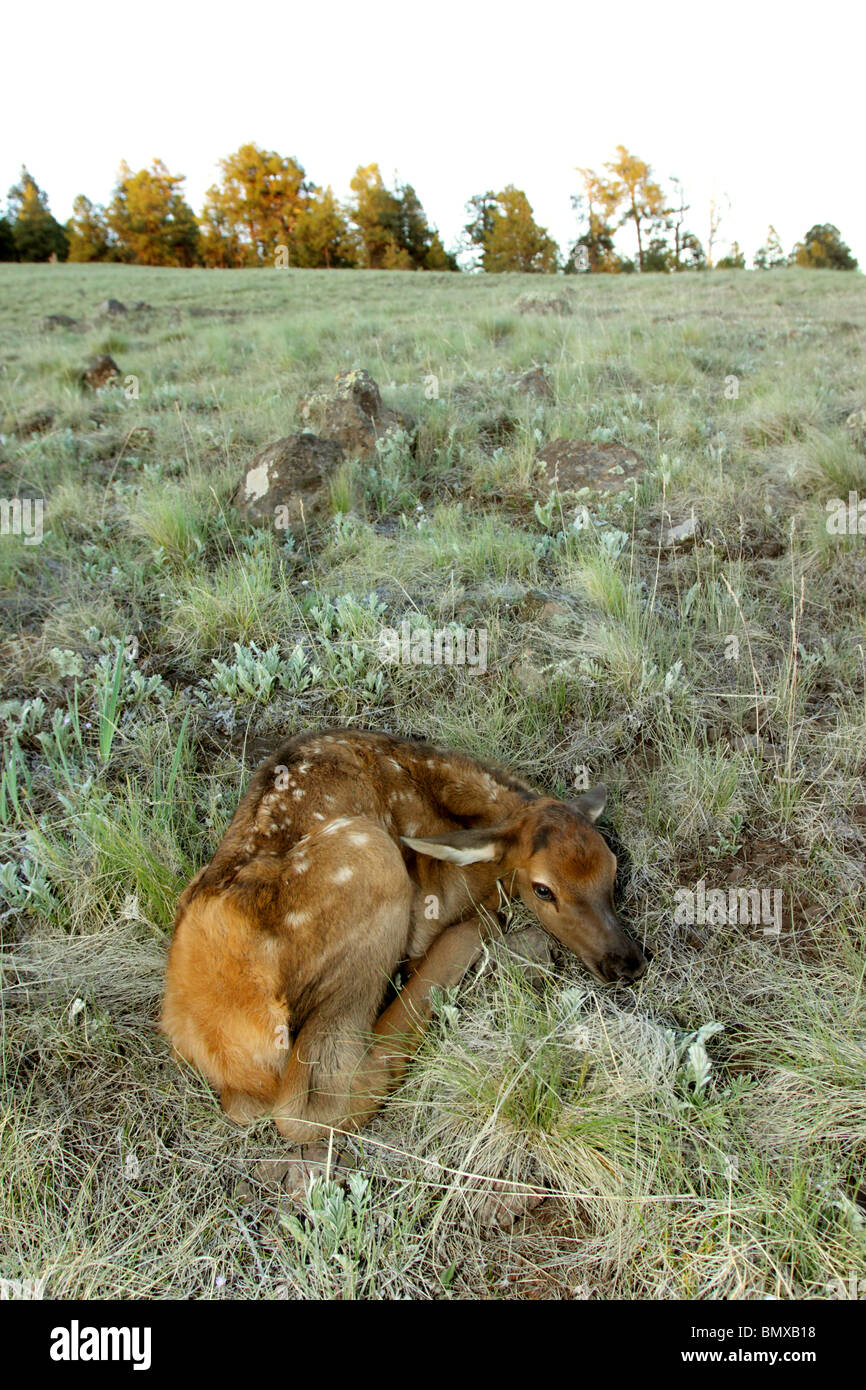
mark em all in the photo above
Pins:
pixel 258 204
pixel 822 248
pixel 150 220
pixel 36 234
pixel 770 256
pixel 323 238
pixel 514 240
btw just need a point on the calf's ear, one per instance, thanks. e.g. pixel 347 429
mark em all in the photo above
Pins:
pixel 591 803
pixel 460 847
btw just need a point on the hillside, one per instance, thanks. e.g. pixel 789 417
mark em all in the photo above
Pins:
pixel 156 643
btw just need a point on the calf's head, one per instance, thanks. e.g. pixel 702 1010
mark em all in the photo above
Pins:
pixel 554 858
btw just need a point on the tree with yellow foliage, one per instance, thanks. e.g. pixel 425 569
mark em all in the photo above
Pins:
pixel 633 188
pixel 376 214
pixel 594 249
pixel 509 236
pixel 151 222
pixel 323 238
pixel 257 205
pixel 88 233
pixel 392 227
pixel 822 248
pixel 220 245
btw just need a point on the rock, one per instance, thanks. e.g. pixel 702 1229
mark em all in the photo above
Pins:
pixel 527 676
pixel 490 595
pixel 495 430
pixel 687 530
pixel 856 423
pixel 539 607
pixel 555 614
pixel 52 321
pixel 292 474
pixel 352 414
pixel 100 372
pixel 111 308
pixel 539 304
pixel 535 383
pixel 36 423
pixel 573 464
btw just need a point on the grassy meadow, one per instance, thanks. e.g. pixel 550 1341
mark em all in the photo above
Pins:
pixel 154 647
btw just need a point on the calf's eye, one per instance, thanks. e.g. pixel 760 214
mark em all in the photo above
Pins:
pixel 542 891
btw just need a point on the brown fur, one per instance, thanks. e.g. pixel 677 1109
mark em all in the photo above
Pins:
pixel 350 853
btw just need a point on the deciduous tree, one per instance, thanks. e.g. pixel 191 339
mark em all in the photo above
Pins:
pixel 595 205
pixel 633 188
pixel 90 238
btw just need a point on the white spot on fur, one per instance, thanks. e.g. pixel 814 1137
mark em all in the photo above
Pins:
pixel 296 919
pixel 359 839
pixel 299 794
pixel 342 875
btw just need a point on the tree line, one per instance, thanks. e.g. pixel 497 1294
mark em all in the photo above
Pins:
pixel 264 211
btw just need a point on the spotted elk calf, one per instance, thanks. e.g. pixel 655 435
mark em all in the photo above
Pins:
pixel 351 853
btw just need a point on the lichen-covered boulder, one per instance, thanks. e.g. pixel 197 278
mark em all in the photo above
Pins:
pixel 570 465
pixel 50 322
pixel 556 304
pixel 111 309
pixel 100 372
pixel 352 413
pixel 287 481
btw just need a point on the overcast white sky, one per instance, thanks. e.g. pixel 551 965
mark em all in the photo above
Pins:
pixel 761 101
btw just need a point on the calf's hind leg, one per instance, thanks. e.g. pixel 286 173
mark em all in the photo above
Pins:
pixel 336 1076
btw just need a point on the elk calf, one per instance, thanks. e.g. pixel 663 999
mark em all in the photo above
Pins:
pixel 351 853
